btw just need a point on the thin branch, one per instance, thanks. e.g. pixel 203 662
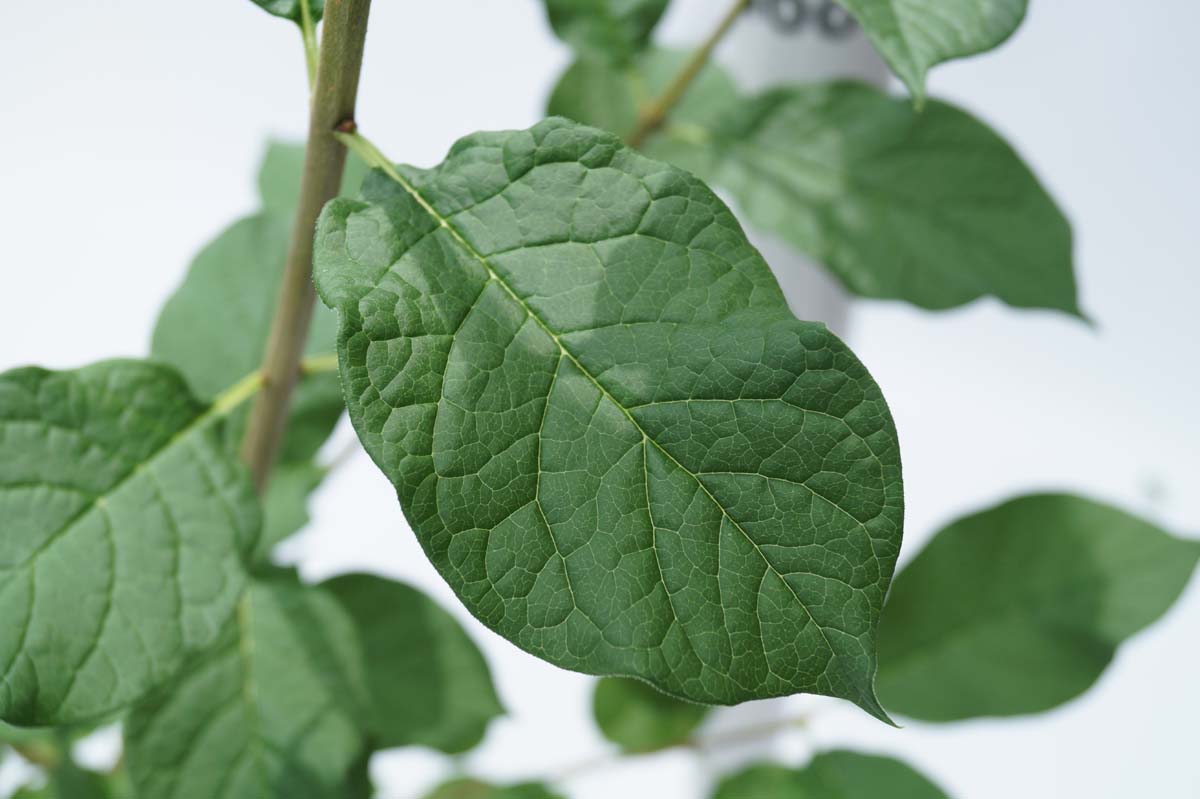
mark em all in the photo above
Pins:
pixel 312 51
pixel 333 102
pixel 655 114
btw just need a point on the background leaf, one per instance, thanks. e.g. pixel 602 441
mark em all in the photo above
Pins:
pixel 290 9
pixel 833 775
pixel 638 718
pixel 914 35
pixel 1020 608
pixel 214 329
pixel 272 711
pixel 601 95
pixel 608 432
pixel 606 30
pixel 928 207
pixel 285 503
pixel 429 685
pixel 280 173
pixel 467 788
pixel 125 523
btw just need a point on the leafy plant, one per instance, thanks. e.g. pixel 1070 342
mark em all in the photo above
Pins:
pixel 610 435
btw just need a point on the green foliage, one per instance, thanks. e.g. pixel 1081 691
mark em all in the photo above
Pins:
pixel 290 9
pixel 428 683
pixel 638 718
pixel 474 789
pixel 598 94
pixel 285 504
pixel 125 525
pixel 928 207
pixel 214 328
pixel 610 435
pixel 272 711
pixel 1020 608
pixel 280 172
pixel 914 35
pixel 610 31
pixel 833 775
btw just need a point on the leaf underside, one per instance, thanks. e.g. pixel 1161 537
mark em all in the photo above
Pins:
pixel 125 524
pixel 914 35
pixel 606 30
pixel 1020 608
pixel 606 429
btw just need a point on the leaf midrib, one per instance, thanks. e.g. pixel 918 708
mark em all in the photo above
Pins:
pixel 408 187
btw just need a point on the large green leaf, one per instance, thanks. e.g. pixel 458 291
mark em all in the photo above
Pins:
pixel 608 97
pixel 466 788
pixel 608 432
pixel 290 9
pixel 928 207
pixel 638 718
pixel 214 328
pixel 606 30
pixel 914 35
pixel 429 685
pixel 1020 608
pixel 833 775
pixel 124 526
pixel 271 711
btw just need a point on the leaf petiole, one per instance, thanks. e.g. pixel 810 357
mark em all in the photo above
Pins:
pixel 229 399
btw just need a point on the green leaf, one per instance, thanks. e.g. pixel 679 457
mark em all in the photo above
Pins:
pixel 467 788
pixel 429 684
pixel 125 523
pixel 598 94
pixel 214 329
pixel 290 9
pixel 833 775
pixel 1020 608
pixel 272 711
pixel 68 781
pixel 933 207
pixel 607 30
pixel 285 504
pixel 638 718
pixel 281 171
pixel 608 432
pixel 914 35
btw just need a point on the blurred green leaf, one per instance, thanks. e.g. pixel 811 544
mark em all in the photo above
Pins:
pixel 833 775
pixel 914 35
pixel 214 329
pixel 598 94
pixel 285 504
pixel 280 173
pixel 638 718
pixel 467 788
pixel 1020 608
pixel 274 710
pixel 428 682
pixel 607 30
pixel 290 9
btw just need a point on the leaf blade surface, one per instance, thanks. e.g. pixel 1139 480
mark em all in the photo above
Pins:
pixel 489 310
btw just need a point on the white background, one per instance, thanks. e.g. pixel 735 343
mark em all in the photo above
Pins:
pixel 130 133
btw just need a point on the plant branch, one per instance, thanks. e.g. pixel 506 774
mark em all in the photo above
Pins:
pixel 333 102
pixel 655 114
pixel 312 52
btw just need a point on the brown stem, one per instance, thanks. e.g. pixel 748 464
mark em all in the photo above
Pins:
pixel 655 114
pixel 324 159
